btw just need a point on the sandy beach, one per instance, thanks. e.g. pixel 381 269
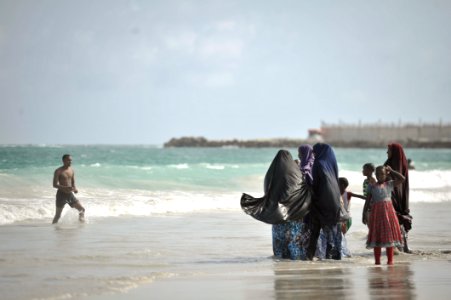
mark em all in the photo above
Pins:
pixel 290 280
pixel 425 273
pixel 216 255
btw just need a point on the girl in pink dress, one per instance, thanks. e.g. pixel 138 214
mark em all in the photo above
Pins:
pixel 384 230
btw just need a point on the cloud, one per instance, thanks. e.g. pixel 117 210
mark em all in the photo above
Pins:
pixel 184 41
pixel 216 44
pixel 207 56
pixel 222 48
pixel 144 54
pixel 212 79
pixel 223 79
pixel 226 25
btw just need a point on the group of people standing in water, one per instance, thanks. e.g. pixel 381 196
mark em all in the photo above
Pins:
pixel 307 204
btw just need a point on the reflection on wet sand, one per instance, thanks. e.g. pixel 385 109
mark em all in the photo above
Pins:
pixel 351 282
pixel 313 284
pixel 394 282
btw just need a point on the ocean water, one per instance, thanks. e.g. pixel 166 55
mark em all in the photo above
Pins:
pixel 153 214
pixel 145 181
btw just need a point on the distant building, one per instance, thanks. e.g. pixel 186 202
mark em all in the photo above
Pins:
pixel 315 135
pixel 383 133
pixel 341 135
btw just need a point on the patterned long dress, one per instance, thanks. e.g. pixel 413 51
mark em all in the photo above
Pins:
pixel 290 240
pixel 384 229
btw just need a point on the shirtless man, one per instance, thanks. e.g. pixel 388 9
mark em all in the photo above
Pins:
pixel 64 181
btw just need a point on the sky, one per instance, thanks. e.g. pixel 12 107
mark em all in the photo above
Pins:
pixel 143 72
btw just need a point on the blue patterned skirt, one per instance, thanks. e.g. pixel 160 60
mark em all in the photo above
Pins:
pixel 290 240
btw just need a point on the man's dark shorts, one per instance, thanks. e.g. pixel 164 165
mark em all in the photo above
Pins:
pixel 63 198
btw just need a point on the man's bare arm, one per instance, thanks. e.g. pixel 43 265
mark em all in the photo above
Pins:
pixel 74 188
pixel 55 180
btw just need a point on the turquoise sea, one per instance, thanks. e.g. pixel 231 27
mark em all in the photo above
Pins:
pixel 147 180
pixel 160 217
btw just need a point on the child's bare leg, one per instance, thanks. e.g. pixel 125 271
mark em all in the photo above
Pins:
pixel 377 255
pixel 390 252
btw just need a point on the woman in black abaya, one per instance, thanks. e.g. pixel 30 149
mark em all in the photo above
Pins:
pixel 285 203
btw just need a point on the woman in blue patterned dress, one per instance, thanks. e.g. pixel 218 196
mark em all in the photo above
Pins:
pixel 287 198
pixel 291 239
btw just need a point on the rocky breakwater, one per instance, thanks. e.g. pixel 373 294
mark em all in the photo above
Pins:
pixel 294 143
pixel 256 143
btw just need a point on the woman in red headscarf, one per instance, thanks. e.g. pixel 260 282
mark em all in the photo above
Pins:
pixel 397 160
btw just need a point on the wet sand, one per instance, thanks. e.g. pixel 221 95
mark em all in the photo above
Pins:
pixel 213 255
pixel 418 279
pixel 423 274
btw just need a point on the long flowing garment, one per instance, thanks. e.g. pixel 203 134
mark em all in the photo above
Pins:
pixel 400 194
pixel 287 197
pixel 325 210
pixel 285 203
pixel 384 229
pixel 290 239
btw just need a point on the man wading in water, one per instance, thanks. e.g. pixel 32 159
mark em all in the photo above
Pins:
pixel 64 181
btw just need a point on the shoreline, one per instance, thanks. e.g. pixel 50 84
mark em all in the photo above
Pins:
pixel 219 254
